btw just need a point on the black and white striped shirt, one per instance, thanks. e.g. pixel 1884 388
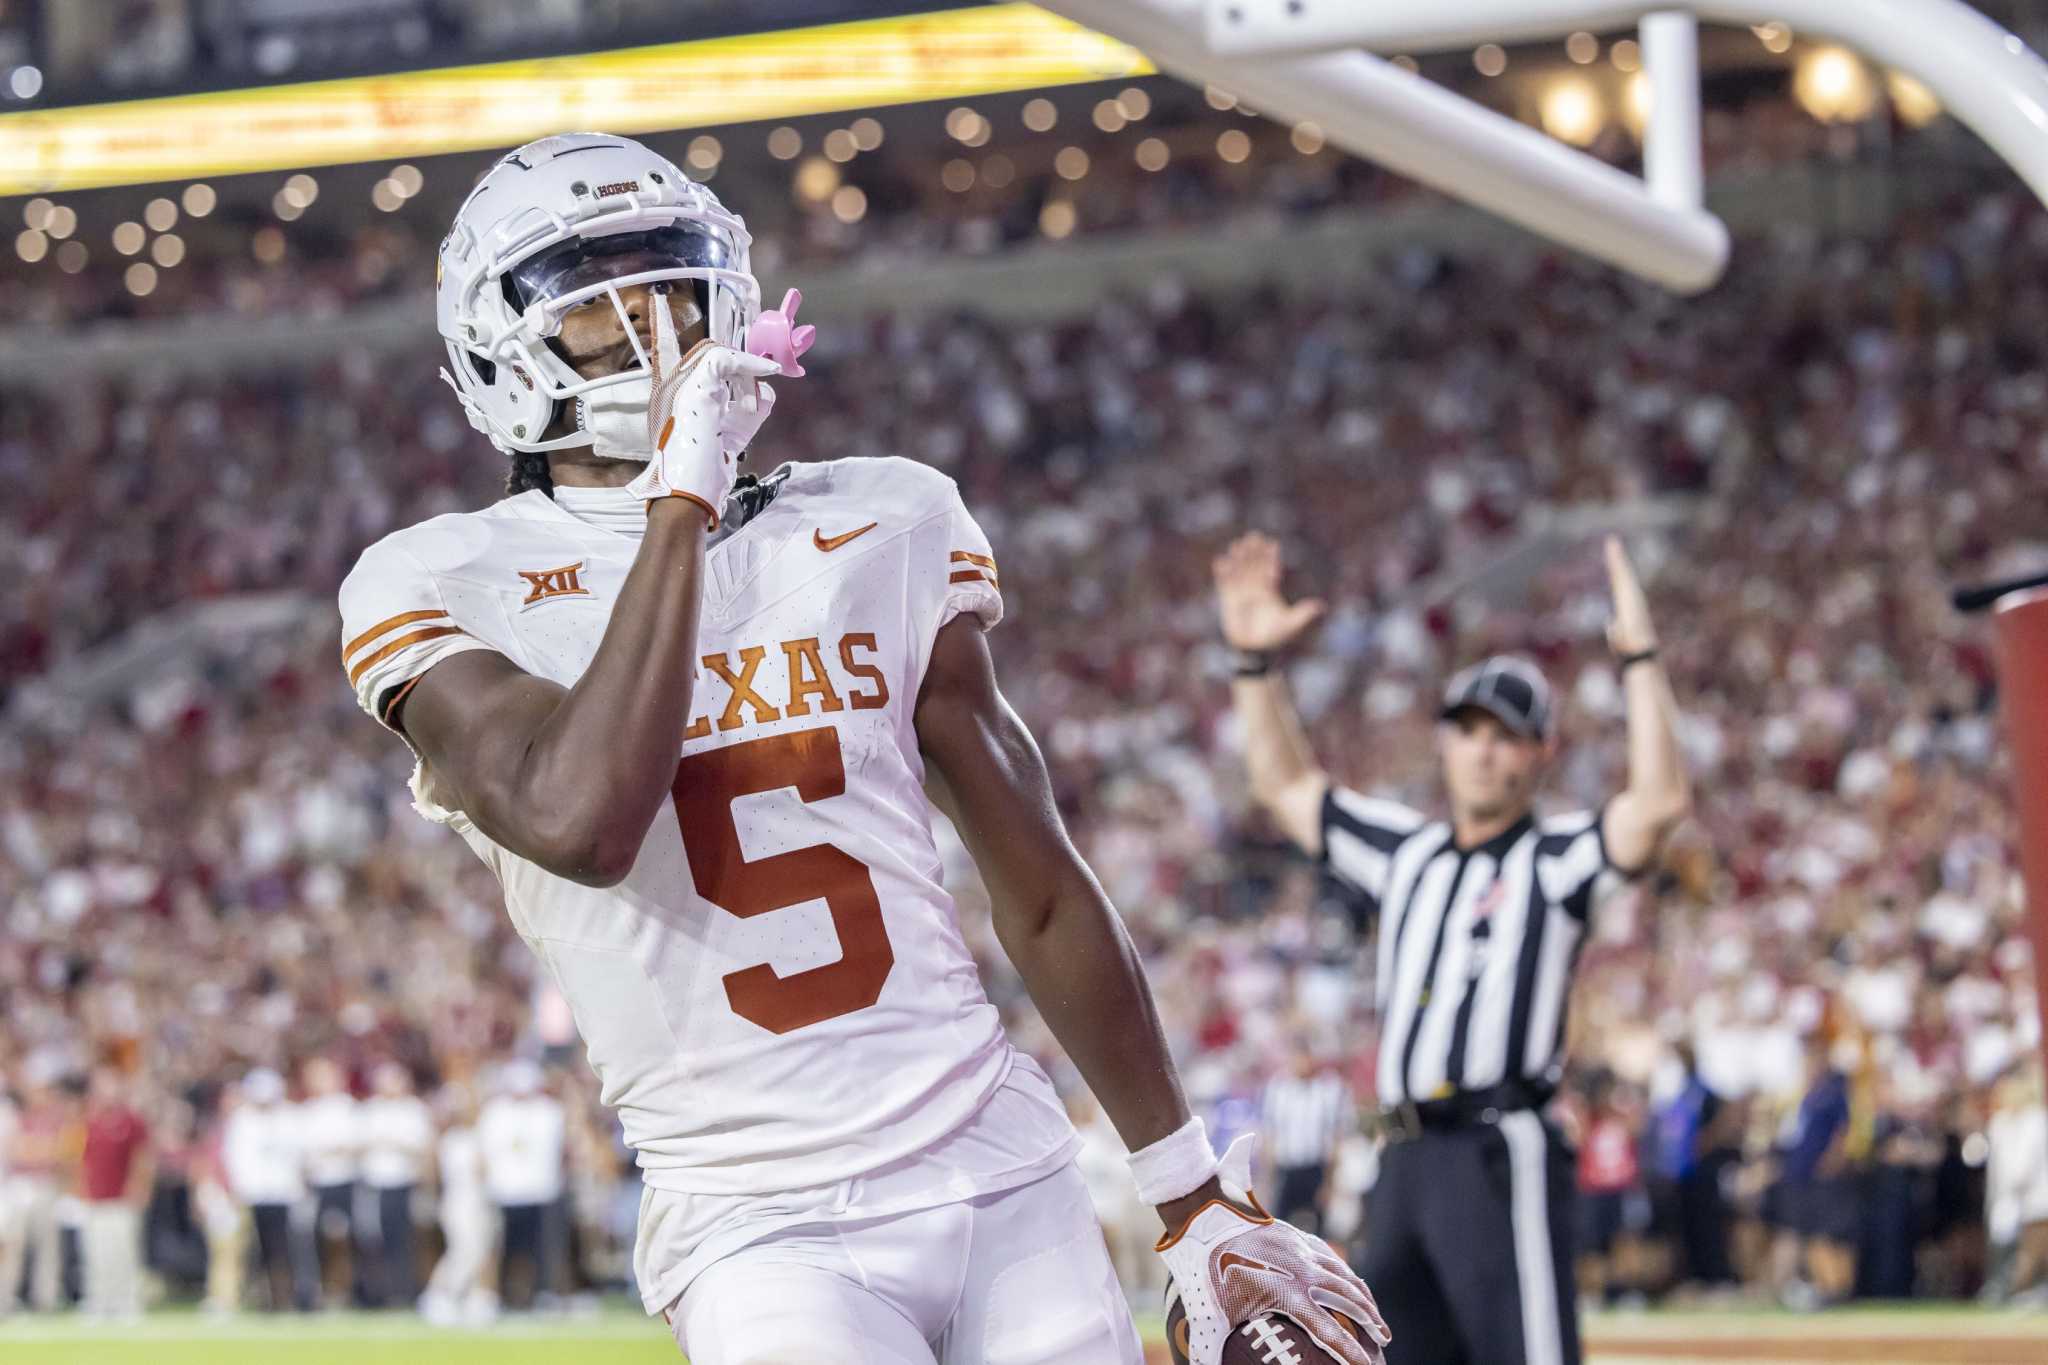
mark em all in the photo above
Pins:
pixel 1476 946
pixel 1303 1116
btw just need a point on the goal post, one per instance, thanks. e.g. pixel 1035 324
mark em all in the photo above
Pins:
pixel 1313 61
pixel 1376 110
pixel 1987 77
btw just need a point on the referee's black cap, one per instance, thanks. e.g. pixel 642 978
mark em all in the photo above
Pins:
pixel 1509 689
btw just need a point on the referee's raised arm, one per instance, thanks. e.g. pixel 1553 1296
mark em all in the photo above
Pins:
pixel 1658 793
pixel 1258 622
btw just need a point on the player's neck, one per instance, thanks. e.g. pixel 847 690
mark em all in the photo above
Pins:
pixel 578 468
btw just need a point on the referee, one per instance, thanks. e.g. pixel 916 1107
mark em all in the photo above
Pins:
pixel 1480 919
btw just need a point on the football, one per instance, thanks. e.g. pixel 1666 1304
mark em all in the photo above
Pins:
pixel 1266 1340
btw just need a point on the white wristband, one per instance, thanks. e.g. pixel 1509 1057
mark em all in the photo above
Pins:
pixel 1178 1164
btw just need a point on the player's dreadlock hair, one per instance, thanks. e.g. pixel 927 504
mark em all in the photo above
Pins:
pixel 529 470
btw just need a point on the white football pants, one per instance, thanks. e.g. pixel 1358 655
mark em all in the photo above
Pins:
pixel 1015 1278
pixel 111 1245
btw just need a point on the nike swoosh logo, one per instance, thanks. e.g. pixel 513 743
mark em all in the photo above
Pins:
pixel 1230 1259
pixel 830 543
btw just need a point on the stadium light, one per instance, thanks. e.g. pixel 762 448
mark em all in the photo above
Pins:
pixel 1572 112
pixel 1834 86
pixel 1916 104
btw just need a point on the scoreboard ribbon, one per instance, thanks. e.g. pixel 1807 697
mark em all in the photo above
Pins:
pixel 705 83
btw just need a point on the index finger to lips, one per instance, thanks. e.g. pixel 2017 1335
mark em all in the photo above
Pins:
pixel 667 350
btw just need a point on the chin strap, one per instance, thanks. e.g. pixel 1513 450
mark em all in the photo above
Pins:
pixel 615 419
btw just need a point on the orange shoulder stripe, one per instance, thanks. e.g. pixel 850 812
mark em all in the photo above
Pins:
pixel 963 557
pixel 404 618
pixel 369 661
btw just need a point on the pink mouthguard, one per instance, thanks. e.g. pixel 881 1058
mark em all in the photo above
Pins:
pixel 775 335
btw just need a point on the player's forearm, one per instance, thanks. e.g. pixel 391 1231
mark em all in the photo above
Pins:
pixel 604 761
pixel 1657 780
pixel 1083 974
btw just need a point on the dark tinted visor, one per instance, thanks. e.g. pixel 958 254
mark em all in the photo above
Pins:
pixel 584 261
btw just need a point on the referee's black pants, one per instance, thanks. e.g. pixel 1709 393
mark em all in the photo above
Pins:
pixel 1468 1246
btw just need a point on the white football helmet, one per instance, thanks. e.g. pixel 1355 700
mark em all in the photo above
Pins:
pixel 555 224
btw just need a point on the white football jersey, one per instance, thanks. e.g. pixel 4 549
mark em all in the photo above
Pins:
pixel 778 995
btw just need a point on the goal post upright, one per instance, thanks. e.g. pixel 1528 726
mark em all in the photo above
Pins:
pixel 1673 159
pixel 2021 622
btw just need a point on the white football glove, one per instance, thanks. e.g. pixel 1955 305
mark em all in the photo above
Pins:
pixel 1229 1266
pixel 744 420
pixel 692 410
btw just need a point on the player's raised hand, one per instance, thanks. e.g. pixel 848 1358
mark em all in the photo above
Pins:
pixel 1630 630
pixel 687 417
pixel 1255 615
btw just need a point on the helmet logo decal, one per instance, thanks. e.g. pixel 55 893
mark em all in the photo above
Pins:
pixel 524 377
pixel 617 187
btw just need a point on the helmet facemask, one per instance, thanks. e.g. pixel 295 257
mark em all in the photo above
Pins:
pixel 685 268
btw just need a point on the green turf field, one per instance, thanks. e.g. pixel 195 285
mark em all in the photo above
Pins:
pixel 620 1335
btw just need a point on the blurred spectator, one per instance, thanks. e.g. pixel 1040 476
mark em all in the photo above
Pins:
pixel 522 1133
pixel 2017 1180
pixel 45 1140
pixel 330 1126
pixel 398 1142
pixel 1613 1207
pixel 223 1218
pixel 1896 1196
pixel 264 1157
pixel 173 1241
pixel 456 1291
pixel 1696 1143
pixel 1302 1114
pixel 115 1168
pixel 1816 1246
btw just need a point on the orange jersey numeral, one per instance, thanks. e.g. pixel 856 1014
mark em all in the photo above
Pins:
pixel 706 786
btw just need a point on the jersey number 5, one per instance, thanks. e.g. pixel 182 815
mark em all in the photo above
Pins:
pixel 706 786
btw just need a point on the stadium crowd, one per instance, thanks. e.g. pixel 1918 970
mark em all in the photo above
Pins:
pixel 1802 1044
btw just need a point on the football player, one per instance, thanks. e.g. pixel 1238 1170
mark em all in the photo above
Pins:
pixel 697 731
